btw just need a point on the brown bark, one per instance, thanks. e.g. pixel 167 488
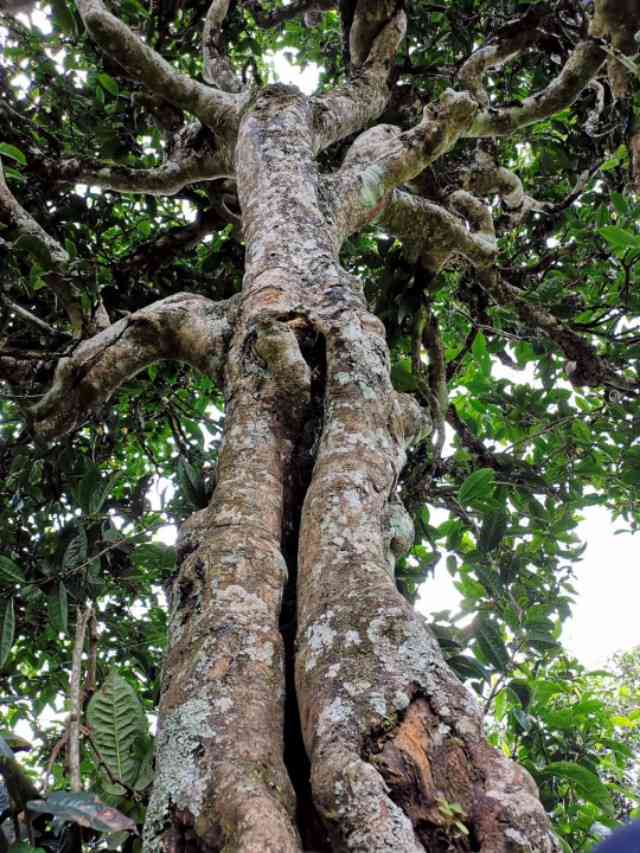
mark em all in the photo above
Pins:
pixel 391 735
pixel 304 703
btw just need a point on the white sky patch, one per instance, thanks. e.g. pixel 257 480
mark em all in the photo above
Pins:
pixel 284 70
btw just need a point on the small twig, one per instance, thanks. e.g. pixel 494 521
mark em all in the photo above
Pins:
pixel 21 312
pixel 73 751
pixel 55 752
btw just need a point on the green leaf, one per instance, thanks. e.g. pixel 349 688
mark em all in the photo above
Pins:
pixel 7 632
pixel 586 782
pixel 58 606
pixel 466 667
pixel 83 808
pixel 10 571
pixel 191 483
pixel 76 551
pixel 119 727
pixel 479 486
pixel 619 239
pixel 494 527
pixel 491 644
pixel 65 19
pixel 108 84
pixel 32 245
pixel 14 153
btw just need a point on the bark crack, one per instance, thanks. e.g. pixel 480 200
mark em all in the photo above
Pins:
pixel 296 761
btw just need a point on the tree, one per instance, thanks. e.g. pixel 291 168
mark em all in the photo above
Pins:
pixel 358 263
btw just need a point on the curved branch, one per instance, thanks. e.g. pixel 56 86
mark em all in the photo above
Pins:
pixel 383 158
pixel 515 38
pixel 184 327
pixel 368 19
pixel 214 108
pixel 167 179
pixel 619 21
pixel 216 68
pixel 582 65
pixel 437 234
pixel 485 176
pixel 51 256
pixel 286 13
pixel 349 108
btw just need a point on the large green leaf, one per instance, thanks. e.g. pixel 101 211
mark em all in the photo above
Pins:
pixel 477 487
pixel 7 631
pixel 489 639
pixel 10 571
pixel 119 726
pixel 585 781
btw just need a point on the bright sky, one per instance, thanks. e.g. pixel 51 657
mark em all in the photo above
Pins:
pixel 605 617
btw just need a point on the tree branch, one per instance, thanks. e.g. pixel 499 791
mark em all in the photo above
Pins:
pixel 515 38
pixel 214 108
pixel 150 256
pixel 435 234
pixel 183 327
pixel 51 256
pixel 485 177
pixel 216 67
pixel 582 65
pixel 383 158
pixel 278 16
pixel 75 696
pixel 349 108
pixel 165 180
pixel 584 365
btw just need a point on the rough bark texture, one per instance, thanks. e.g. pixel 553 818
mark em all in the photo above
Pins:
pixel 305 705
pixel 390 733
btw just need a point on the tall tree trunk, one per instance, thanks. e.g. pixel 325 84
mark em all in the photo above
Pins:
pixel 314 443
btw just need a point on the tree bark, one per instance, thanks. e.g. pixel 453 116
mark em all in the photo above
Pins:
pixel 306 512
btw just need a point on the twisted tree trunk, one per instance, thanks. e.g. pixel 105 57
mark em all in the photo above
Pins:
pixel 304 704
pixel 375 738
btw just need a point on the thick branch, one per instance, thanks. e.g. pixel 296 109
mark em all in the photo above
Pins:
pixel 617 20
pixel 214 108
pixel 216 68
pixel 369 17
pixel 349 108
pixel 164 180
pixel 563 90
pixel 436 234
pixel 183 327
pixel 383 158
pixel 485 177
